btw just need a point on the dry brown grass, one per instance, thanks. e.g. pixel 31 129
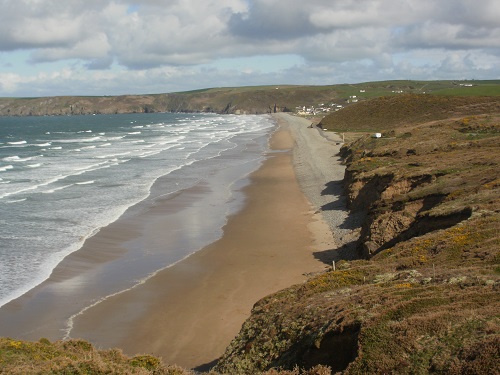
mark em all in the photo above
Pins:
pixel 428 299
pixel 75 357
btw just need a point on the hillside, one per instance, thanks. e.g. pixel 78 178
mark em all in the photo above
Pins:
pixel 75 357
pixel 423 295
pixel 256 99
pixel 220 100
pixel 391 112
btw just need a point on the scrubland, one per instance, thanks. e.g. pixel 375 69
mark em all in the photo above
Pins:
pixel 423 292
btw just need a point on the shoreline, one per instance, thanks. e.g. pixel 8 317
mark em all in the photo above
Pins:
pixel 150 235
pixel 189 312
pixel 320 173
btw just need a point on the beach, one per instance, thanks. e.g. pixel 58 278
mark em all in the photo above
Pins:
pixel 291 223
pixel 189 313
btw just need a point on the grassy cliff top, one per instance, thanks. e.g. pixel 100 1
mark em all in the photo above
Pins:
pixel 423 295
pixel 251 99
pixel 392 112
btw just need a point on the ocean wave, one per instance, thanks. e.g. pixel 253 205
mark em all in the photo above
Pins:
pixel 85 182
pixel 149 153
pixel 16 158
pixel 56 189
pixel 34 165
pixel 33 187
pixel 17 143
pixel 89 167
pixel 6 168
pixel 79 140
pixel 112 155
pixel 16 200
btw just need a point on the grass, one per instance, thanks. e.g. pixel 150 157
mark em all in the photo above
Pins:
pixel 393 112
pixel 249 99
pixel 482 90
pixel 335 280
pixel 427 300
pixel 74 357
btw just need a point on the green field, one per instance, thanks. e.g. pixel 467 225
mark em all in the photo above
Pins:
pixel 246 99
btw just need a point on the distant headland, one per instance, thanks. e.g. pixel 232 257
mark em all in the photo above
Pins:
pixel 242 100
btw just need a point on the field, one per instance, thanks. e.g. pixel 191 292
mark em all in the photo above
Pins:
pixel 251 99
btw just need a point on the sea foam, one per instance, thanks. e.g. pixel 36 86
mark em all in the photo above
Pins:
pixel 87 181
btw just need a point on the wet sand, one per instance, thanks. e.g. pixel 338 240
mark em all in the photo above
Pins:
pixel 189 313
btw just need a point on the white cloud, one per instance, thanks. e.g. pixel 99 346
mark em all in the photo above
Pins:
pixel 173 44
pixel 93 48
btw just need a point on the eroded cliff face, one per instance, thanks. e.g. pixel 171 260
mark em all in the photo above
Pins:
pixel 421 178
pixel 423 297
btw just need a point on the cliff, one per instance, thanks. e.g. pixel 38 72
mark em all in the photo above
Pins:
pixel 249 100
pixel 423 297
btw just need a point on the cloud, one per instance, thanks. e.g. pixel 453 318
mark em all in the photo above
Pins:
pixel 271 19
pixel 155 38
pixel 44 23
pixel 95 48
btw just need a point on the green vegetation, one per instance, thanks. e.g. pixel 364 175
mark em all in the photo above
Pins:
pixel 481 90
pixel 427 299
pixel 423 294
pixel 74 357
pixel 251 99
pixel 334 280
pixel 395 112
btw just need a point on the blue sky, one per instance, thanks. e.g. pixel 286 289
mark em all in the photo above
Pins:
pixel 99 47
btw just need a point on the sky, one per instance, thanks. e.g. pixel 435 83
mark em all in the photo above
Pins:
pixel 101 47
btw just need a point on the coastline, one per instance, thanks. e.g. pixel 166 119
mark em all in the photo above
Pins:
pixel 150 235
pixel 188 313
pixel 320 173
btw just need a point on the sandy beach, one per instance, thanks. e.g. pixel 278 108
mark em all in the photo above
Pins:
pixel 292 221
pixel 189 313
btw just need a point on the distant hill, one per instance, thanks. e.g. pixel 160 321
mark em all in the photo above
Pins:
pixel 252 99
pixel 220 100
pixel 390 112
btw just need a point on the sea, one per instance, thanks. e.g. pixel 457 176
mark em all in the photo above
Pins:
pixel 63 178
